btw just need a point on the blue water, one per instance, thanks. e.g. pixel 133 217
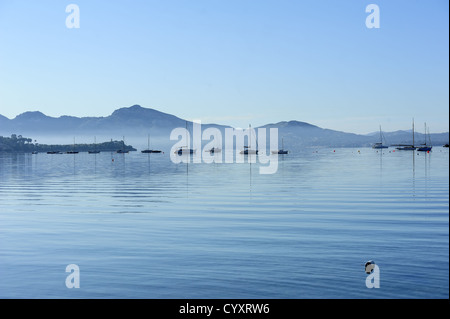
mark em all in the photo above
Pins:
pixel 143 227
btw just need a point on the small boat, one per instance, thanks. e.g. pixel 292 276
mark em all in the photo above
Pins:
pixel 184 151
pixel 214 150
pixel 247 149
pixel 148 150
pixel 123 150
pixel 34 152
pixel 282 151
pixel 445 145
pixel 54 152
pixel 425 147
pixel 379 145
pixel 406 148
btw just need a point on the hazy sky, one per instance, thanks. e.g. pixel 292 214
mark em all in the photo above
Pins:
pixel 231 61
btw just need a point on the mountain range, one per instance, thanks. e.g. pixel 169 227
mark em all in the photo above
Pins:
pixel 136 121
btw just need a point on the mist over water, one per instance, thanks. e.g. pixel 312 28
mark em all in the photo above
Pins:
pixel 140 226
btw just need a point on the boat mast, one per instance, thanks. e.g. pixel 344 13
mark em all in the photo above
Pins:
pixel 425 133
pixel 250 136
pixel 256 140
pixel 413 132
pixel 381 136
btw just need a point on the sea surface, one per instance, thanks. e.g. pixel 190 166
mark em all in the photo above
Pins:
pixel 140 226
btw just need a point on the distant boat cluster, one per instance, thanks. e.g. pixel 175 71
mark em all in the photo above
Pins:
pixel 425 147
pixel 248 150
pixel 95 151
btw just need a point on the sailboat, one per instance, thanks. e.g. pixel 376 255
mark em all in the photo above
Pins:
pixel 379 145
pixel 282 151
pixel 408 147
pixel 123 150
pixel 425 147
pixel 148 150
pixel 183 150
pixel 73 150
pixel 247 149
pixel 214 150
pixel 95 147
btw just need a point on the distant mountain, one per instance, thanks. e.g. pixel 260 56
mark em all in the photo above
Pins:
pixel 136 121
pixel 300 134
pixel 291 124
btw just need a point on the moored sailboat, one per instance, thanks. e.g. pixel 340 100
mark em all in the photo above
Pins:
pixel 247 149
pixel 402 147
pixel 380 145
pixel 185 150
pixel 148 150
pixel 282 151
pixel 426 147
pixel 73 149
pixel 95 147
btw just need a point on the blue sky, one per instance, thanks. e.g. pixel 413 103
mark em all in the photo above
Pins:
pixel 231 62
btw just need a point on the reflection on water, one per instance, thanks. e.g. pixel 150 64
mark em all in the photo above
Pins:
pixel 140 226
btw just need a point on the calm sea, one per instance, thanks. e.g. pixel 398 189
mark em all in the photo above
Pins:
pixel 143 227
